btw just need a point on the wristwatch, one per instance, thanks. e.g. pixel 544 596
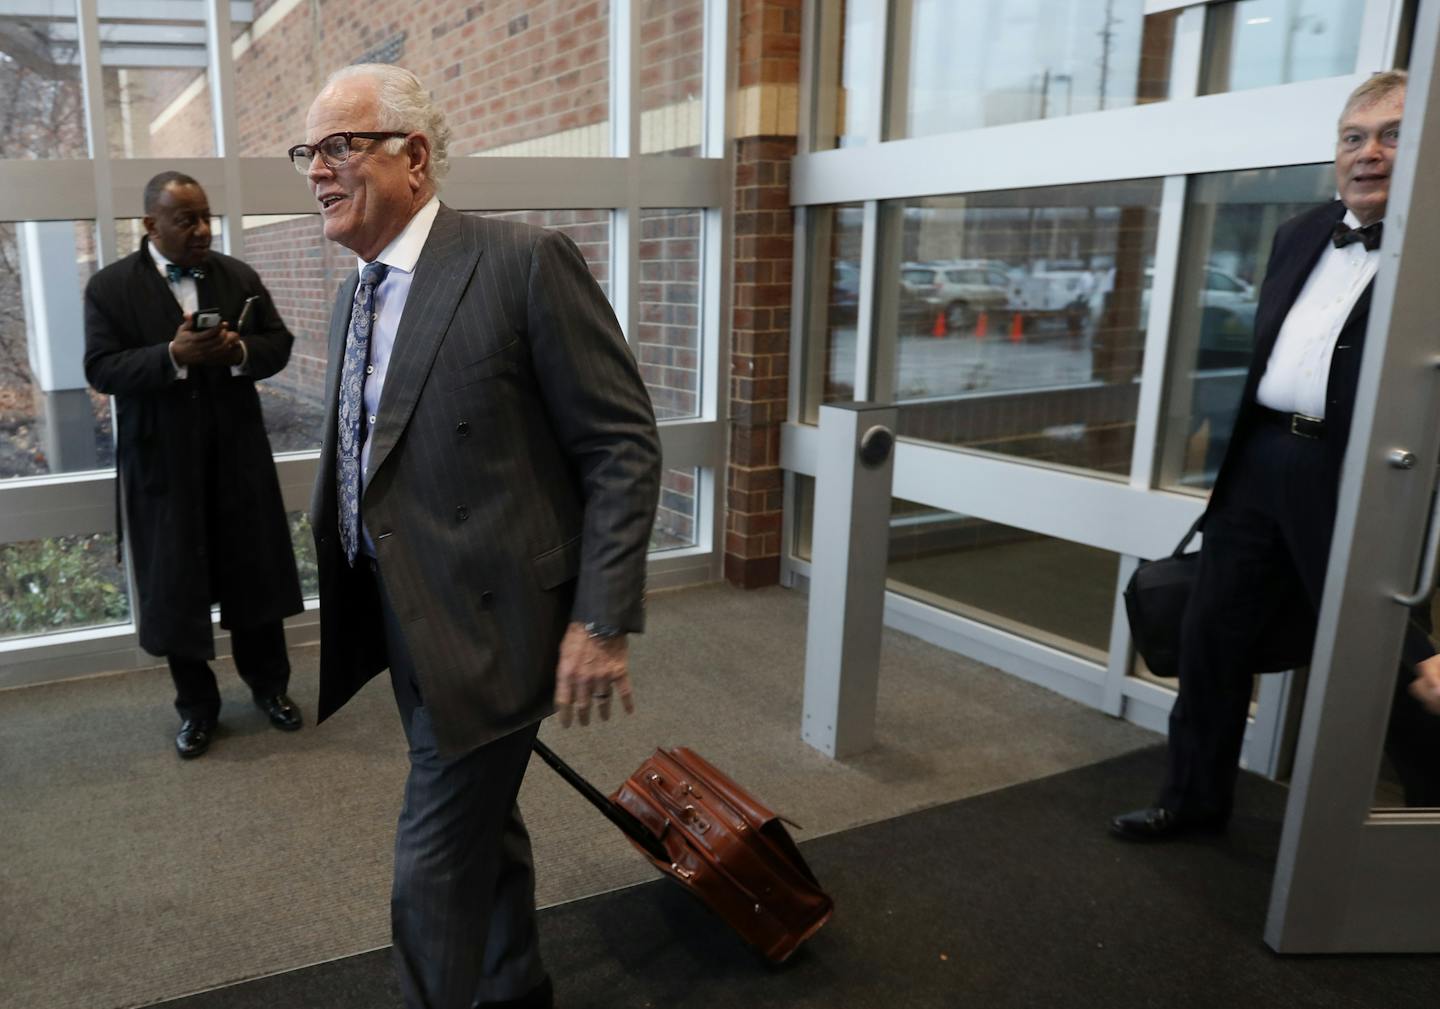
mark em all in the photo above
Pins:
pixel 603 631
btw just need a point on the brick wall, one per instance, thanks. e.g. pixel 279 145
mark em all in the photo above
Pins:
pixel 668 343
pixel 768 73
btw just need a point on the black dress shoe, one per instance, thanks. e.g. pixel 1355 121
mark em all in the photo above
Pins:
pixel 1156 823
pixel 194 737
pixel 281 711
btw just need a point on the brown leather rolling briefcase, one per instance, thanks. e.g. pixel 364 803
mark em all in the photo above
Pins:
pixel 718 841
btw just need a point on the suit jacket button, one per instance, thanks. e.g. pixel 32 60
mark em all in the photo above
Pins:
pixel 463 428
pixel 462 513
pixel 487 600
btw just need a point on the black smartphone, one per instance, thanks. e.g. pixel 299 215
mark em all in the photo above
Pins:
pixel 205 318
pixel 245 312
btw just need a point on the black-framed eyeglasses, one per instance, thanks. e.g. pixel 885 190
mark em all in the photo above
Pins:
pixel 335 149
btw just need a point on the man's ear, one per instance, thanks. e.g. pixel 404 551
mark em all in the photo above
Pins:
pixel 149 223
pixel 417 145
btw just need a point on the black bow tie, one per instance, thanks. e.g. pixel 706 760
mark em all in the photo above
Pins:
pixel 173 273
pixel 1368 236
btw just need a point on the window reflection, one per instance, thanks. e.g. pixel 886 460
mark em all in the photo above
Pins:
pixel 1256 43
pixel 1017 319
pixel 1230 219
pixel 974 63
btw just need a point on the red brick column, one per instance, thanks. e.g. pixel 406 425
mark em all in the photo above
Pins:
pixel 765 111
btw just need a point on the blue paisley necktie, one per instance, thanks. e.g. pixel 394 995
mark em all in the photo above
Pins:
pixel 352 407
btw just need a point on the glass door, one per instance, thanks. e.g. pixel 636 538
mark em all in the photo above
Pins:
pixel 1359 862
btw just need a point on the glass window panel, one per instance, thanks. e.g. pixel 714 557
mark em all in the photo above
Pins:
pixel 672 76
pixel 1230 219
pixel 43 114
pixel 975 63
pixel 302 271
pixel 675 519
pixel 1048 590
pixel 845 96
pixel 50 419
pixel 1041 358
pixel 303 541
pixel 1256 43
pixel 157 112
pixel 61 584
pixel 834 301
pixel 588 229
pixel 667 343
pixel 514 77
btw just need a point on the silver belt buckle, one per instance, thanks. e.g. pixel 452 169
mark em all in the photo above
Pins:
pixel 1296 419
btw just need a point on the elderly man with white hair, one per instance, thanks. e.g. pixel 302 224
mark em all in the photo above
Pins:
pixel 482 514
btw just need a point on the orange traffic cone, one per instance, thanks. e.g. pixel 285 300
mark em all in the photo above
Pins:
pixel 982 325
pixel 1017 327
pixel 939 329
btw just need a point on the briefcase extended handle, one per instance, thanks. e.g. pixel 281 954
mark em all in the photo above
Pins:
pixel 618 815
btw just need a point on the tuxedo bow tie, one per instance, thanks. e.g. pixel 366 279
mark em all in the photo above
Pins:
pixel 1368 236
pixel 173 273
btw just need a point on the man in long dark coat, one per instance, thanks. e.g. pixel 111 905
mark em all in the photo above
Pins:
pixel 202 503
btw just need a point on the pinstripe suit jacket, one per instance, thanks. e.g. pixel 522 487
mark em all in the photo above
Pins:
pixel 514 472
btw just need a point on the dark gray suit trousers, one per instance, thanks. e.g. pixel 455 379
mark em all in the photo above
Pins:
pixel 462 908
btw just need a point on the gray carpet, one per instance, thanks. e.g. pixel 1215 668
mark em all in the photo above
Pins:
pixel 129 877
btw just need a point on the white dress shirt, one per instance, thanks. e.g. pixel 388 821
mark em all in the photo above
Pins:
pixel 188 295
pixel 1298 372
pixel 400 255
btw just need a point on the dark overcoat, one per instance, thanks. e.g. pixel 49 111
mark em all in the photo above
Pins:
pixel 202 505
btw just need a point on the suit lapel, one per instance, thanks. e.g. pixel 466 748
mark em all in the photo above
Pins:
pixel 441 276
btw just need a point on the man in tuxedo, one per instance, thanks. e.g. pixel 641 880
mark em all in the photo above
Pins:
pixel 482 514
pixel 1270 516
pixel 202 504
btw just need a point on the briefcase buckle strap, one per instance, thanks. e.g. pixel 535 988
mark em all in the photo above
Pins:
pixel 1306 426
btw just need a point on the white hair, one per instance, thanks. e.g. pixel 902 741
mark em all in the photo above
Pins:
pixel 404 104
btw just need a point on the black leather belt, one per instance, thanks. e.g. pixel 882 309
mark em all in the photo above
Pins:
pixel 1296 423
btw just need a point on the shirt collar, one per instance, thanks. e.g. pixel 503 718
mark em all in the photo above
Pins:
pixel 1352 221
pixel 158 258
pixel 404 249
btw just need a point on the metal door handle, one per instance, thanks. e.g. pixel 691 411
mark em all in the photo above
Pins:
pixel 1427 569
